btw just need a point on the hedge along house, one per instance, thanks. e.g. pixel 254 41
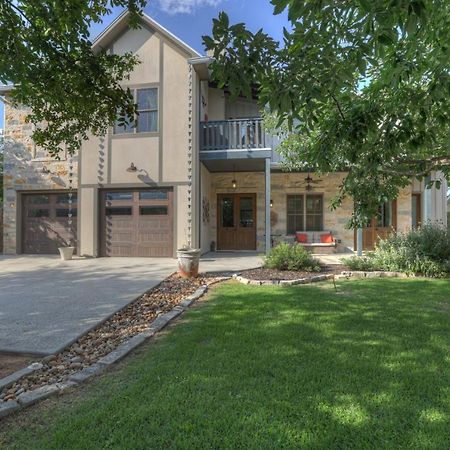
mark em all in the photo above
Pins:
pixel 196 169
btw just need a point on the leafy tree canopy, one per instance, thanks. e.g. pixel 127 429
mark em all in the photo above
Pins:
pixel 46 53
pixel 357 85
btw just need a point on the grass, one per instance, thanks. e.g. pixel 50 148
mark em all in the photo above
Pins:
pixel 269 367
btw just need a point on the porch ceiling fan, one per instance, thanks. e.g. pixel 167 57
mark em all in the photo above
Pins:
pixel 310 183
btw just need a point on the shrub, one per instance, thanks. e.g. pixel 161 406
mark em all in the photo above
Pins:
pixel 364 263
pixel 424 251
pixel 291 257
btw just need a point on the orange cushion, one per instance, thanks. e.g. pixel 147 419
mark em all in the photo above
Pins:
pixel 326 239
pixel 301 237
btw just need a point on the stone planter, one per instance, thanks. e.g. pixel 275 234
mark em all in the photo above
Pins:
pixel 188 261
pixel 66 252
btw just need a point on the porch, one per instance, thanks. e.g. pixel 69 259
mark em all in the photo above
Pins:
pixel 235 205
pixel 248 203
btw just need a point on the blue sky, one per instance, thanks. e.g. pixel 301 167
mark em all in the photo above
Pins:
pixel 191 19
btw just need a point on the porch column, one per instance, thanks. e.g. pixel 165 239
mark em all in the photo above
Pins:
pixel 359 241
pixel 267 205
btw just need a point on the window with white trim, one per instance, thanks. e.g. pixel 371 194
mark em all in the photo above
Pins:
pixel 146 120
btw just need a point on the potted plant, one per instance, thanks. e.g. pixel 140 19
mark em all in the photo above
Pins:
pixel 188 261
pixel 66 252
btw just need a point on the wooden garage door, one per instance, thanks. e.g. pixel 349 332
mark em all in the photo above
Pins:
pixel 45 222
pixel 137 222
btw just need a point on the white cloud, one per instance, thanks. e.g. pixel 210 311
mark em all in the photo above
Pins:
pixel 185 6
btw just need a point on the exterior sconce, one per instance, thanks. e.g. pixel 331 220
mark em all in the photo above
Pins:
pixel 271 203
pixel 234 183
pixel 132 168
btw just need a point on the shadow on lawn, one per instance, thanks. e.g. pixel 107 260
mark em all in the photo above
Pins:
pixel 367 367
pixel 271 367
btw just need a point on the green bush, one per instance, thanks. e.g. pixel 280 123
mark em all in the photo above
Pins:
pixel 424 251
pixel 291 257
pixel 364 263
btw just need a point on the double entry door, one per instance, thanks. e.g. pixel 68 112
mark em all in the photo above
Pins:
pixel 236 222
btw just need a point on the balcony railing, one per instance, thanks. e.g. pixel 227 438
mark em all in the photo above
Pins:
pixel 232 135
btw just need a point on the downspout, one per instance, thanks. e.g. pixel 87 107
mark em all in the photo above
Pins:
pixel 190 148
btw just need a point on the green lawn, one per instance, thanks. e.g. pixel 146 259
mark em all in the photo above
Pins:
pixel 269 367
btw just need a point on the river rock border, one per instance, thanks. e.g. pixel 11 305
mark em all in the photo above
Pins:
pixel 307 280
pixel 373 274
pixel 30 397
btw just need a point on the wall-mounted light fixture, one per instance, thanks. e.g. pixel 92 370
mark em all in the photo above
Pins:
pixel 271 203
pixel 132 168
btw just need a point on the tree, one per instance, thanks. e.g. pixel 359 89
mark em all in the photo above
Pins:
pixel 47 54
pixel 361 86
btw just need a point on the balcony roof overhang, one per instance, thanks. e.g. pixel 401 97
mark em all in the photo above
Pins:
pixel 240 160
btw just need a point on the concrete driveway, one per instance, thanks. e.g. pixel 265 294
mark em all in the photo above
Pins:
pixel 46 303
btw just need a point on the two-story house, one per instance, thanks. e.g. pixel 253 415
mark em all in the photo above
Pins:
pixel 198 169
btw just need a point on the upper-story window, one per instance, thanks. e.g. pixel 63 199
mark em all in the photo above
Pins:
pixel 146 121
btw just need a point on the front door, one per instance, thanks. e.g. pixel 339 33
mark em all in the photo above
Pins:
pixel 236 222
pixel 380 226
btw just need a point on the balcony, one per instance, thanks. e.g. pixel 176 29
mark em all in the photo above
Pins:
pixel 239 134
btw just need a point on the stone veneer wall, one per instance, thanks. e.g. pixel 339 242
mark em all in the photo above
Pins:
pixel 23 171
pixel 283 184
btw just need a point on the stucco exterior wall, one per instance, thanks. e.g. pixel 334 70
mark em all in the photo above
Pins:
pixel 24 172
pixel 161 157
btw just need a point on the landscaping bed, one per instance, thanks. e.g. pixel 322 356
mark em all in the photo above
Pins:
pixel 123 325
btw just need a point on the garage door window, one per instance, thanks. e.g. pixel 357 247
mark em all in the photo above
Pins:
pixel 39 200
pixel 154 195
pixel 64 198
pixel 153 210
pixel 38 213
pixel 119 196
pixel 62 212
pixel 119 211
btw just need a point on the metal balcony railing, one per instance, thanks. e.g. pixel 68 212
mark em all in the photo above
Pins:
pixel 232 134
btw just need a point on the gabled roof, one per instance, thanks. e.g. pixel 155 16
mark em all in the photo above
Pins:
pixel 120 24
pixel 117 27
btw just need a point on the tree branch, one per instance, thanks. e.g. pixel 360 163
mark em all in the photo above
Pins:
pixel 341 113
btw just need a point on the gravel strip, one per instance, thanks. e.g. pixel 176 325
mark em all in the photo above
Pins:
pixel 135 319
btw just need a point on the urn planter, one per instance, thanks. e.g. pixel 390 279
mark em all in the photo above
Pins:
pixel 188 262
pixel 66 252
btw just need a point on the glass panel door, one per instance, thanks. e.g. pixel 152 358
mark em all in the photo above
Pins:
pixel 227 212
pixel 246 212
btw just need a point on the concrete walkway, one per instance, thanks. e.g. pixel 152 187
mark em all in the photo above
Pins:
pixel 46 303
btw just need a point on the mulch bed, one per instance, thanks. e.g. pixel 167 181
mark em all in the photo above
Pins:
pixel 126 323
pixel 275 274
